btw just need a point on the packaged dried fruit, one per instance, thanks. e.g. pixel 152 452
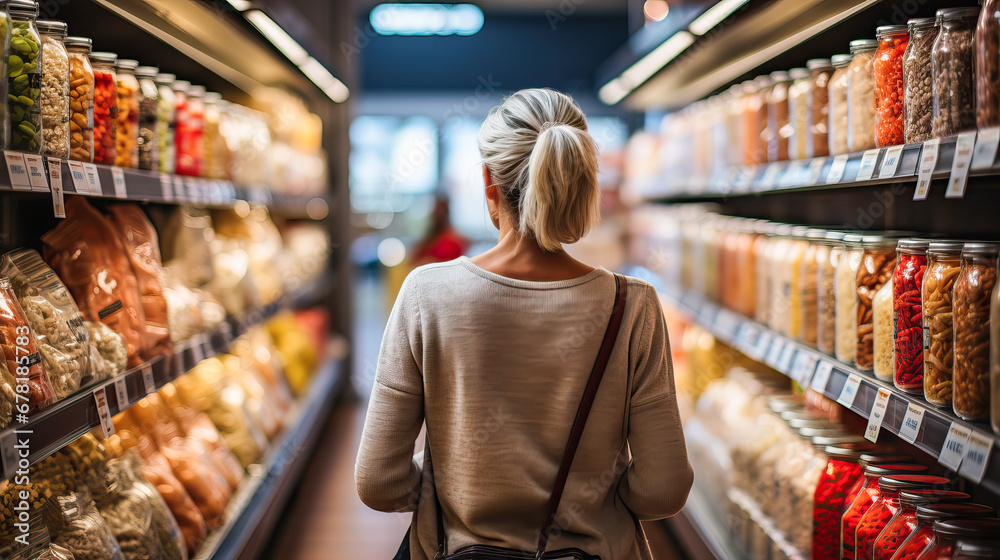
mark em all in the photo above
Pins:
pixel 878 259
pixel 971 297
pixel 21 355
pixel 82 530
pixel 887 69
pixel 908 320
pixel 105 107
pixel 953 72
pixel 943 265
pixel 111 358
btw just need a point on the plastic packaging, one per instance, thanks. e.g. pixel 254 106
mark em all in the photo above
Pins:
pixel 166 122
pixel 164 525
pixel 846 346
pixel 127 119
pixel 81 104
pixel 21 354
pixel 887 69
pixel 971 297
pixel 110 347
pixel 918 96
pixel 908 329
pixel 953 71
pixel 779 127
pixel 149 152
pixel 83 531
pixel 105 107
pixel 837 105
pixel 25 78
pixel 861 96
pixel 54 97
pixel 883 345
pixel 943 265
pixel 988 66
pixel 877 263
pixel 129 514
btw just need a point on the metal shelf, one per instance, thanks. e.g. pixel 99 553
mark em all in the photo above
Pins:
pixel 807 366
pixel 777 538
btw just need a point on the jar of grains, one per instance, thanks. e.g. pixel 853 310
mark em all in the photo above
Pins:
pixel 944 259
pixel 926 515
pixel 215 145
pixel 820 71
pixel 953 72
pixel 887 69
pixel 148 99
pixel 918 98
pixel 837 104
pixel 81 100
pixel 995 359
pixel 988 65
pixel 166 120
pixel 755 121
pixel 904 522
pixel 861 96
pixel 877 263
pixel 846 297
pixel 971 304
pixel 54 97
pixel 827 256
pixel 24 72
pixel 809 285
pixel 105 106
pixel 908 321
pixel 882 320
pixel 778 122
pixel 798 112
pixel 127 120
pixel 779 280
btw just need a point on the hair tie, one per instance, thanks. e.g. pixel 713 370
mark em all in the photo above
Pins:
pixel 546 125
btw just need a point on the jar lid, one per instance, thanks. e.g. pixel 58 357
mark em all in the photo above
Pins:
pixel 800 414
pixel 850 452
pixel 800 231
pixel 181 85
pixel 921 22
pixel 981 249
pixel 835 236
pixel 162 78
pixel 890 30
pixel 816 234
pixel 781 403
pixel 886 469
pixel 882 456
pixel 976 547
pixel 945 247
pixel 841 60
pixel 23 8
pixel 878 241
pixel 196 91
pixel 779 76
pixel 853 238
pixel 78 42
pixel 859 45
pixel 799 73
pixel 835 439
pixel 799 423
pixel 900 481
pixel 103 57
pixel 949 14
pixel 762 81
pixel 932 512
pixel 127 64
pixel 819 64
pixel 911 244
pixel 51 27
pixel 913 498
pixel 146 71
pixel 979 527
pixel 212 97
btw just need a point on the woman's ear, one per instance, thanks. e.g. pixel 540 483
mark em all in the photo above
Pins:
pixel 492 197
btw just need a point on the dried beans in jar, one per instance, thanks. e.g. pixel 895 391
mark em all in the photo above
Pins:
pixel 908 322
pixel 887 70
pixel 918 97
pixel 943 264
pixel 971 297
pixel 877 262
pixel 952 72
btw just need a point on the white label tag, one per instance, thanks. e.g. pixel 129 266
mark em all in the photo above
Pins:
pixel 36 172
pixel 928 162
pixel 822 376
pixel 8 454
pixel 774 353
pixel 79 177
pixel 816 170
pixel 867 168
pixel 93 179
pixel 850 391
pixel 837 169
pixel 960 165
pixel 55 174
pixel 179 191
pixel 770 176
pixel 805 366
pixel 727 322
pixel 977 457
pixel 890 163
pixel 107 427
pixel 17 170
pixel 121 392
pixel 166 187
pixel 147 379
pixel 763 343
pixel 912 420
pixel 785 361
pixel 877 415
pixel 986 148
pixel 953 450
pixel 118 178
pixel 793 173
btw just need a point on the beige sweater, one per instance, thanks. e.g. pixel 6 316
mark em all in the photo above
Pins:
pixel 496 367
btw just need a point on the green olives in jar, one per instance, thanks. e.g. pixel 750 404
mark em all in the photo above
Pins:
pixel 24 84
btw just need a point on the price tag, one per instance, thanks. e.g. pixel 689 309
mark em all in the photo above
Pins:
pixel 805 366
pixel 877 415
pixel 194 189
pixel 763 343
pixel 792 176
pixel 785 361
pixel 147 379
pixel 727 322
pixel 121 391
pixel 93 179
pixel 8 453
pixel 953 450
pixel 18 171
pixel 79 177
pixel 770 176
pixel 816 170
pixel 867 168
pixel 104 413
pixel 912 420
pixel 118 178
pixel 837 169
pixel 774 354
pixel 977 457
pixel 822 376
pixel 36 172
pixel 850 391
pixel 986 148
pixel 179 192
pixel 166 187
pixel 890 163
pixel 960 165
pixel 55 174
pixel 925 170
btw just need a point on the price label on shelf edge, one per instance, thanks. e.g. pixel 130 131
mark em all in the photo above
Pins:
pixel 986 149
pixel 55 180
pixel 822 376
pixel 816 170
pixel 93 179
pixel 166 187
pixel 909 430
pixel 890 163
pixel 960 165
pixel 121 392
pixel 118 178
pixel 977 456
pixel 104 413
pixel 837 169
pixel 774 352
pixel 928 162
pixel 18 170
pixel 953 450
pixel 147 379
pixel 850 390
pixel 867 168
pixel 36 172
pixel 785 361
pixel 877 415
pixel 79 177
pixel 762 345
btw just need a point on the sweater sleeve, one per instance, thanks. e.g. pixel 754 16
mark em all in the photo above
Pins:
pixel 386 473
pixel 659 476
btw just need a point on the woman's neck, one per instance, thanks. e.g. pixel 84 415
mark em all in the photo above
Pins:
pixel 519 257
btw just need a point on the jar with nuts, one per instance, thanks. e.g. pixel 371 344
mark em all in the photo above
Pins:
pixel 918 102
pixel 995 359
pixel 127 119
pixel 55 89
pixel 988 66
pixel 820 72
pixel 878 259
pixel 953 72
pixel 24 71
pixel 105 106
pixel 149 153
pixel 861 96
pixel 166 120
pixel 81 100
pixel 943 265
pixel 973 289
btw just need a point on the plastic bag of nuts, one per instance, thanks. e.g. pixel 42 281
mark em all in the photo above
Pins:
pixel 877 263
pixel 943 263
pixel 971 297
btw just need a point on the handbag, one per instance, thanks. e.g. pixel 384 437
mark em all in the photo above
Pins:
pixel 489 552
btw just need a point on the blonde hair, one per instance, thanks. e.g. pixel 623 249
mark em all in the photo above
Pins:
pixel 536 147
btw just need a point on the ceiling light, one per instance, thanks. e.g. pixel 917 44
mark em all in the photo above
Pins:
pixel 331 86
pixel 616 90
pixel 656 10
pixel 274 33
pixel 714 16
pixel 426 19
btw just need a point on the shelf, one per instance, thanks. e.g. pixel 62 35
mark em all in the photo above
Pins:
pixel 809 368
pixel 61 423
pixel 700 530
pixel 777 538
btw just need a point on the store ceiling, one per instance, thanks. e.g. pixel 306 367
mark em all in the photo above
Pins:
pixel 530 6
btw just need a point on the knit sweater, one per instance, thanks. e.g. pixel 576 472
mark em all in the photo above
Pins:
pixel 496 367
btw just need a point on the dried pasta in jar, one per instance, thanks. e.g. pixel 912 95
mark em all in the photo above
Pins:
pixel 943 265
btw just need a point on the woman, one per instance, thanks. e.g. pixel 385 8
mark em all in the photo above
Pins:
pixel 494 353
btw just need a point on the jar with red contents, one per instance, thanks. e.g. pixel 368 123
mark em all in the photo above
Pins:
pixel 926 515
pixel 978 548
pixel 864 500
pixel 841 473
pixel 887 69
pixel 908 323
pixel 948 532
pixel 905 521
pixel 105 106
pixel 190 132
pixel 886 506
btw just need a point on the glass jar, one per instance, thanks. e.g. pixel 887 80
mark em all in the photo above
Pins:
pixel 841 472
pixel 953 72
pixel 877 262
pixel 988 66
pixel 837 104
pixel 887 504
pixel 884 356
pixel 761 250
pixel 166 120
pixel 908 322
pixel 863 501
pixel 798 112
pixel 995 359
pixel 827 257
pixel 81 100
pixel 746 294
pixel 25 78
pixel 709 233
pixel 944 260
pixel 861 96
pixel 977 548
pixel 846 295
pixel 148 99
pixel 755 121
pixel 793 281
pixel 127 119
pixel 777 316
pixel 971 304
pixel 54 97
pixel 215 167
pixel 809 285
pixel 190 132
pixel 918 97
pixel 904 522
pixel 105 107
pixel 817 107
pixel 5 31
pixel 887 70
pixel 926 515
pixel 948 532
pixel 779 127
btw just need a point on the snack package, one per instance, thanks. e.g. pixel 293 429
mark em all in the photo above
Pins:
pixel 164 525
pixel 190 311
pixel 82 530
pixel 20 351
pixel 186 245
pixel 54 319
pixel 298 356
pixel 88 256
pixel 129 513
pixel 38 546
pixel 8 395
pixel 143 248
pixel 109 347
pixel 259 237
pixel 199 426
